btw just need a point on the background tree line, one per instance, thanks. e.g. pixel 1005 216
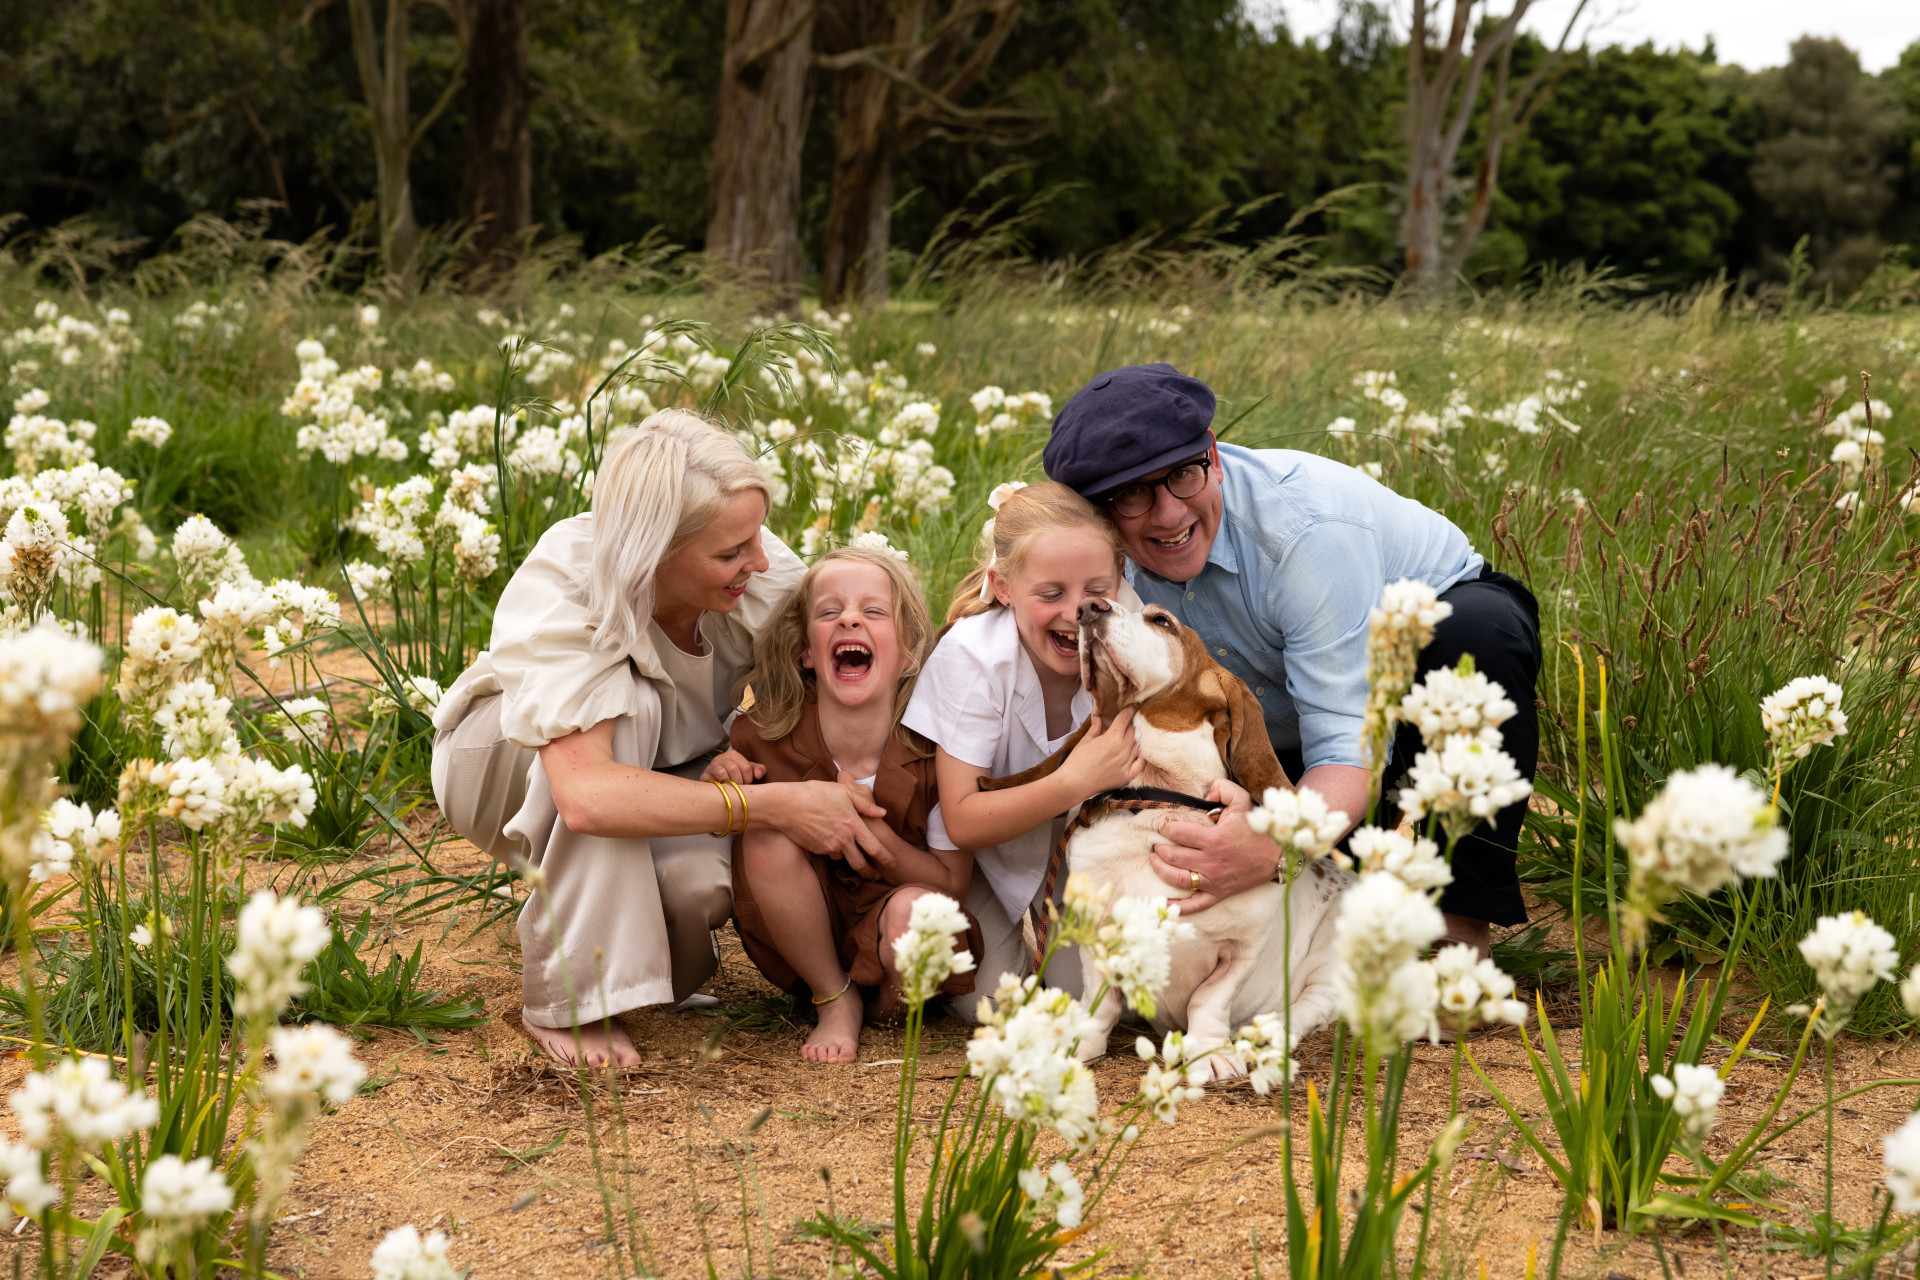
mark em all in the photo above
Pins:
pixel 818 140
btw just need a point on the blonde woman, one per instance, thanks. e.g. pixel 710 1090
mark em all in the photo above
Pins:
pixel 576 743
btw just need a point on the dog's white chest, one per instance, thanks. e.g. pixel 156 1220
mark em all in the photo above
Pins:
pixel 1184 759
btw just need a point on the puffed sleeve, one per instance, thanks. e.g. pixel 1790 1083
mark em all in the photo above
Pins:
pixel 960 701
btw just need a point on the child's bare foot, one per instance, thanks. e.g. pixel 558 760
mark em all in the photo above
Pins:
pixel 837 1038
pixel 601 1043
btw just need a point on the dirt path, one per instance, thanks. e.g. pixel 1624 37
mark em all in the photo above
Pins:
pixel 433 1145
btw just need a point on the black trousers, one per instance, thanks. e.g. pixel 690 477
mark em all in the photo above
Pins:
pixel 1497 620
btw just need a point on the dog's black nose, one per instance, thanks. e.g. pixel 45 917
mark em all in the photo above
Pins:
pixel 1091 609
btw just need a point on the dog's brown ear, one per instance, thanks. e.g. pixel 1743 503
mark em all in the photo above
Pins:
pixel 1250 754
pixel 1040 770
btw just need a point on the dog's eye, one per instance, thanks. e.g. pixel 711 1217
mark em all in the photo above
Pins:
pixel 1161 620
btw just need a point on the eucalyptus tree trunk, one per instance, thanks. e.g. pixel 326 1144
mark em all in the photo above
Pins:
pixel 496 185
pixel 853 261
pixel 753 194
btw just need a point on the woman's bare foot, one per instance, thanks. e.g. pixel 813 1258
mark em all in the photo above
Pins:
pixel 837 1038
pixel 601 1042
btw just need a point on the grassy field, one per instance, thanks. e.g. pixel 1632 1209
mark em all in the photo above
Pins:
pixel 1699 494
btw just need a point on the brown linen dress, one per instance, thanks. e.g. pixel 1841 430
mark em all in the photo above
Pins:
pixel 904 786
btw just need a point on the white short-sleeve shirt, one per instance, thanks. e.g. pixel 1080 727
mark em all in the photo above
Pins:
pixel 979 698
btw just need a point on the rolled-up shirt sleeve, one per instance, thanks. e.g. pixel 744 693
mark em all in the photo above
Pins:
pixel 1320 599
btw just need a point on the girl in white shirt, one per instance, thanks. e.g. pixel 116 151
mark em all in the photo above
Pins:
pixel 1001 692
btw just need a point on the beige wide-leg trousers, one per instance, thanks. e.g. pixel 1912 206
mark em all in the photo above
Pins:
pixel 619 923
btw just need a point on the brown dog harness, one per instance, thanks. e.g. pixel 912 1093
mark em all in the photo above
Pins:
pixel 1129 799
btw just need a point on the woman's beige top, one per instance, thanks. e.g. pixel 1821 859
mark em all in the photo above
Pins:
pixel 695 701
pixel 555 682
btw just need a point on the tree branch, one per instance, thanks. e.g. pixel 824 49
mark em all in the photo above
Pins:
pixel 953 111
pixel 446 99
pixel 760 56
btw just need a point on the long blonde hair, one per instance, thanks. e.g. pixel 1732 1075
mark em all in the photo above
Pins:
pixel 662 482
pixel 782 687
pixel 1008 538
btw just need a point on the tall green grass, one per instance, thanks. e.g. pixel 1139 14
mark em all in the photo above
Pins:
pixel 1687 529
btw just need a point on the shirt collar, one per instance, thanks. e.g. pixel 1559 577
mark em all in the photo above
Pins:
pixel 1222 552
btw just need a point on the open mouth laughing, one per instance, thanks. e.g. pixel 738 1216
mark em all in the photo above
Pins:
pixel 1065 643
pixel 852 660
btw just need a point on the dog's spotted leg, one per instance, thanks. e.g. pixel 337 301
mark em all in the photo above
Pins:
pixel 1094 1043
pixel 1209 1009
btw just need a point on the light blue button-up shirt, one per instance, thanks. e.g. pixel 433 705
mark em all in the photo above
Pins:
pixel 1305 546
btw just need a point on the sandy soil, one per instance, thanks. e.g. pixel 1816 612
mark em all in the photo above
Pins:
pixel 445 1142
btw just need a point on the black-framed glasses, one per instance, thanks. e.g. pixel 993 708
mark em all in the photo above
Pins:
pixel 1184 481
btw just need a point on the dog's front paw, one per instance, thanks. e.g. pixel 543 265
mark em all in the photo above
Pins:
pixel 1092 1048
pixel 1222 1065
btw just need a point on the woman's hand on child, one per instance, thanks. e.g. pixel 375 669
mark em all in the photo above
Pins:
pixel 1107 758
pixel 831 819
pixel 731 766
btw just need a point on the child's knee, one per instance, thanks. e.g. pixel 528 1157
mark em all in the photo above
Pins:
pixel 767 851
pixel 895 917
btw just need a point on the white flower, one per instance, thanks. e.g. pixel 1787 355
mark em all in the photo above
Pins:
pixel 194 719
pixel 1132 947
pixel 986 400
pixel 368 316
pixel 68 825
pixel 28 1192
pixel 1381 987
pixel 1474 990
pixel 1467 781
pixel 1169 1081
pixel 422 693
pixel 1300 822
pixel 368 579
pixel 311 1061
pixel 1848 954
pixel 1802 714
pixel 1415 860
pixel 926 954
pixel 1706 829
pixel 1449 701
pixel 192 791
pixel 1341 426
pixel 177 1198
pixel 1695 1092
pixel 1023 1055
pixel 874 540
pixel 46 676
pixel 1072 1199
pixel 925 349
pixel 78 1098
pixel 299 720
pixel 201 550
pixel 1910 993
pixel 153 431
pixel 276 939
pixel 1902 1161
pixel 51 858
pixel 1397 629
pixel 403 1255
pixel 260 794
pixel 1263 1050
pixel 141 937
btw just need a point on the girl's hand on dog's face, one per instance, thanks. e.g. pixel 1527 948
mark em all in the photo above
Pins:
pixel 731 766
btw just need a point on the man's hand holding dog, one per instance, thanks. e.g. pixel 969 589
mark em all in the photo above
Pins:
pixel 1229 856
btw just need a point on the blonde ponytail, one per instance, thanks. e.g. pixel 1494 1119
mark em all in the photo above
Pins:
pixel 1008 538
pixel 662 482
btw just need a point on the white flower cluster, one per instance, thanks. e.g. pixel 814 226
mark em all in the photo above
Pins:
pixel 1802 714
pixel 221 319
pixel 1426 430
pixel 397 519
pixel 1695 1093
pixel 1859 444
pixel 422 693
pixel 927 954
pixel 874 540
pixel 1398 628
pixel 35 438
pixel 74 831
pixel 1175 1077
pixel 1414 860
pixel 1023 1056
pixel 313 1062
pixel 76 1101
pixel 403 1255
pixel 68 340
pixel 1265 1054
pixel 1467 781
pixel 1449 701
pixel 994 410
pixel 1055 1192
pixel 276 939
pixel 150 430
pixel 177 1198
pixel 1848 954
pixel 1130 943
pixel 1382 988
pixel 1301 823
pixel 1902 1161
pixel 334 424
pixel 1706 829
pixel 1473 990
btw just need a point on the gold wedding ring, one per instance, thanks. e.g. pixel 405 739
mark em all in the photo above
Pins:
pixel 1196 880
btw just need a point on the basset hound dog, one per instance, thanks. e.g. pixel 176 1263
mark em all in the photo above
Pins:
pixel 1195 723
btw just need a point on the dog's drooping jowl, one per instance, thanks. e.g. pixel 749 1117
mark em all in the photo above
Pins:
pixel 1196 724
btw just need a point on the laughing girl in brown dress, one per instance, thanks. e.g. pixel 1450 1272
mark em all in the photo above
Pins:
pixel 832 675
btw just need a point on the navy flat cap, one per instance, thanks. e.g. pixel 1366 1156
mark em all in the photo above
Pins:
pixel 1125 424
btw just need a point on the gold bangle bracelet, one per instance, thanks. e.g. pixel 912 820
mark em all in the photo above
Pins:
pixel 742 797
pixel 728 801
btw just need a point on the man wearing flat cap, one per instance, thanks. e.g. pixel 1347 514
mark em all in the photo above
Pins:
pixel 1275 558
